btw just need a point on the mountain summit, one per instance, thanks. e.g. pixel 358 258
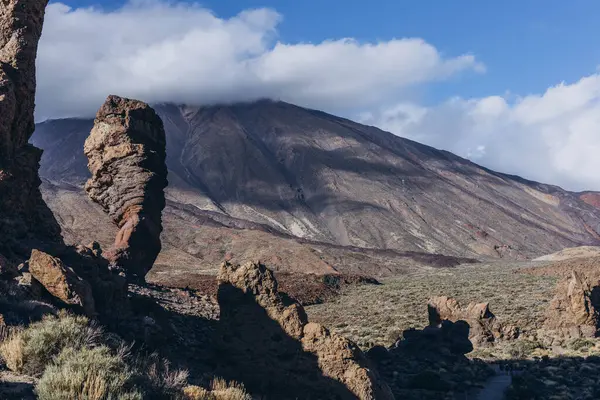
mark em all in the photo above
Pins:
pixel 306 174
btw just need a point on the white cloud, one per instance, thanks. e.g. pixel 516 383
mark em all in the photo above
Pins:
pixel 552 137
pixel 161 51
pixel 164 51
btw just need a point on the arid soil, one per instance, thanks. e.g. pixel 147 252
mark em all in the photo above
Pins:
pixel 573 252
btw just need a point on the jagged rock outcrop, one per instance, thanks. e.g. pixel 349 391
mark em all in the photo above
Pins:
pixel 572 312
pixel 126 153
pixel 24 216
pixel 276 351
pixel 483 325
pixel 431 363
pixel 62 281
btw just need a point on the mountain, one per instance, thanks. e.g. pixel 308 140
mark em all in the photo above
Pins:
pixel 278 174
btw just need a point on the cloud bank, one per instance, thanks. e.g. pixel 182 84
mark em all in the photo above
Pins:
pixel 181 52
pixel 552 137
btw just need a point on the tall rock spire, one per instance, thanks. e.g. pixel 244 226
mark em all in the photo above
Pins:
pixel 24 217
pixel 126 151
pixel 20 31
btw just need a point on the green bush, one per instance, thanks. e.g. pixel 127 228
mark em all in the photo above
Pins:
pixel 581 344
pixel 76 360
pixel 524 348
pixel 88 374
pixel 157 379
pixel 30 350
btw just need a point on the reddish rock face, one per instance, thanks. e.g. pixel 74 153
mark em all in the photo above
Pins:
pixel 593 199
pixel 126 153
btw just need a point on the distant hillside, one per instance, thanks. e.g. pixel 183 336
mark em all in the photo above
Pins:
pixel 286 171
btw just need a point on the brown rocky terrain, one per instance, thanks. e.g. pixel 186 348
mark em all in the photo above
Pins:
pixel 573 252
pixel 280 358
pixel 195 242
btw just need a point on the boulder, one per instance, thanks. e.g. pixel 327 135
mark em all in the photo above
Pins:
pixel 572 311
pixel 277 352
pixel 126 153
pixel 61 281
pixel 484 328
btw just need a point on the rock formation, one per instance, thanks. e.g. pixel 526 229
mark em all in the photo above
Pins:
pixel 572 312
pixel 24 216
pixel 431 363
pixel 26 224
pixel 484 328
pixel 20 30
pixel 61 281
pixel 276 350
pixel 126 151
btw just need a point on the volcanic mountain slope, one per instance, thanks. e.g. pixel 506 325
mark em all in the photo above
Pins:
pixel 284 171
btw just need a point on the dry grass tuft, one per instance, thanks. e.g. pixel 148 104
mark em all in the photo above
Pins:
pixel 220 390
pixel 223 390
pixel 11 350
pixel 31 350
pixel 156 376
pixel 87 373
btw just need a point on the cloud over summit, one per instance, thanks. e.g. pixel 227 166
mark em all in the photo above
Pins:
pixel 161 51
pixel 552 137
pixel 180 52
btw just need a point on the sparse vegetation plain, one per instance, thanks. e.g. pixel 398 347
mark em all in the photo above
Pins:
pixel 378 314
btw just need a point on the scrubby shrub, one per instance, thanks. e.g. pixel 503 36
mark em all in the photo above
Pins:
pixel 30 350
pixel 11 350
pixel 156 377
pixel 223 390
pixel 524 348
pixel 88 374
pixel 581 344
pixel 76 360
pixel 220 390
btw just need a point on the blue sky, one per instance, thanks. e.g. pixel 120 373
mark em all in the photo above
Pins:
pixel 526 45
pixel 512 85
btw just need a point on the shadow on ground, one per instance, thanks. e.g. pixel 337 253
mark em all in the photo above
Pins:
pixel 243 345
